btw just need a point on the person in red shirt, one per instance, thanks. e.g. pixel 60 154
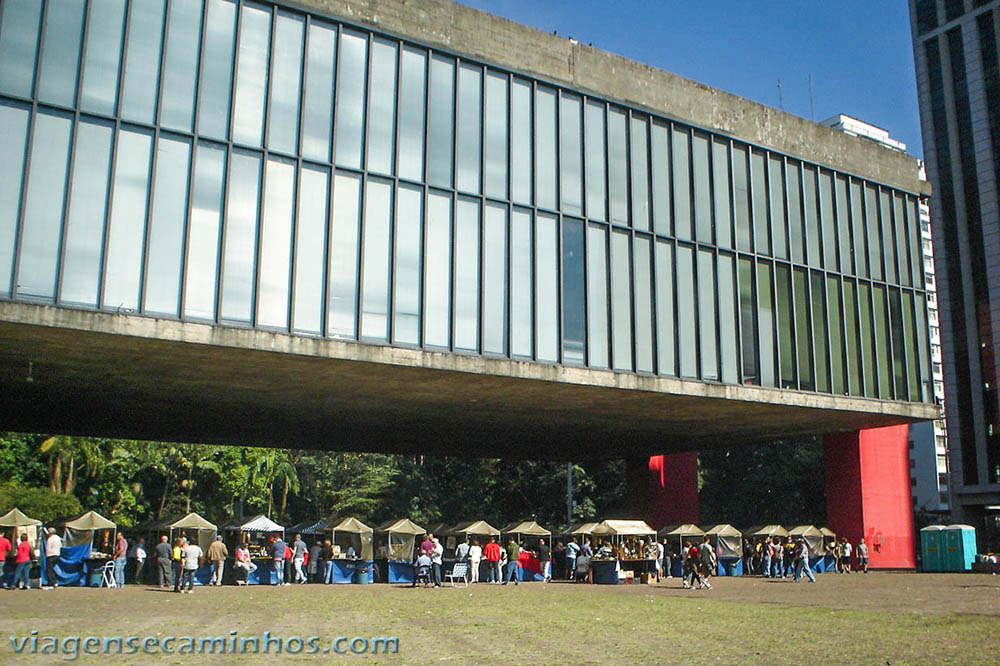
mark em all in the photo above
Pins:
pixel 23 562
pixel 492 554
pixel 5 549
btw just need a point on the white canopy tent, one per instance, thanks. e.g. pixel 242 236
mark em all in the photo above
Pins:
pixel 364 534
pixel 400 535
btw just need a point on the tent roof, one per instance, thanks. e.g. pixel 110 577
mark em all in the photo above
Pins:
pixel 687 529
pixel 767 530
pixel 15 518
pixel 309 527
pixel 401 526
pixel 192 521
pixel 583 528
pixel 827 532
pixel 805 530
pixel 91 521
pixel 260 523
pixel 351 525
pixel 723 530
pixel 526 527
pixel 438 528
pixel 624 527
pixel 476 527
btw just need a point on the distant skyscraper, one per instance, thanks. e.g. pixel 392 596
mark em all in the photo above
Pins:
pixel 958 77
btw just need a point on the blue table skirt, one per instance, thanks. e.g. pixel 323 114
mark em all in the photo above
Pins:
pixel 400 572
pixel 344 570
pixel 729 566
pixel 605 572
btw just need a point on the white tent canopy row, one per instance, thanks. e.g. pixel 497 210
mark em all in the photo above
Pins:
pixel 623 528
pixel 15 518
pixel 260 523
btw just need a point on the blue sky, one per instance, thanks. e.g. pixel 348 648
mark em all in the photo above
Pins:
pixel 859 52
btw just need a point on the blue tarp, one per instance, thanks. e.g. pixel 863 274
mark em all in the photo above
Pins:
pixel 400 572
pixel 729 566
pixel 73 566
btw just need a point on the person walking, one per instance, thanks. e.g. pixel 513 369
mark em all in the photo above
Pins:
pixel 837 550
pixel 192 558
pixel 845 557
pixel 437 560
pixel 690 566
pixel 789 557
pixel 326 555
pixel 23 562
pixel 298 556
pixel 492 553
pixel 706 554
pixel 137 557
pixel 314 555
pixel 163 555
pixel 278 560
pixel 660 552
pixel 767 552
pixel 5 548
pixel 177 561
pixel 572 552
pixel 513 555
pixel 802 561
pixel 863 555
pixel 475 557
pixel 53 549
pixel 747 557
pixel 121 551
pixel 217 554
pixel 544 560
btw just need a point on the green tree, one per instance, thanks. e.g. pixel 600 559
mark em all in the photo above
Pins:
pixel 70 458
pixel 39 503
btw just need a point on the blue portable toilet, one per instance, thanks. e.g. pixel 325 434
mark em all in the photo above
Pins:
pixel 959 547
pixel 932 547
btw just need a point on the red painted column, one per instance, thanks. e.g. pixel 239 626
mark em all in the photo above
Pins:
pixel 671 489
pixel 868 493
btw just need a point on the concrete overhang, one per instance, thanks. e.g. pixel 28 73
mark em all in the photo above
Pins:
pixel 129 376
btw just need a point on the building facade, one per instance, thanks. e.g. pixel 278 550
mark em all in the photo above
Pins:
pixel 958 77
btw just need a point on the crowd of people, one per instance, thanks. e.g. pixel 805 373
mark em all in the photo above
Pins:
pixel 780 557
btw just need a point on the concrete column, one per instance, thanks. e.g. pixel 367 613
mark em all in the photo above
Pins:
pixel 868 493
pixel 663 490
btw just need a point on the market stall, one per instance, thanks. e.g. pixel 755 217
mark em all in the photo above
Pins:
pixel 527 533
pixel 12 525
pixel 829 541
pixel 728 544
pixel 629 555
pixel 677 536
pixel 816 541
pixel 196 530
pixel 354 537
pixel 395 545
pixel 478 530
pixel 88 544
pixel 256 533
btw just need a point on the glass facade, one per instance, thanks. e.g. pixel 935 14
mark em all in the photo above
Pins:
pixel 250 165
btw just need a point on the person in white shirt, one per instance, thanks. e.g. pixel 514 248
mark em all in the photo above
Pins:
pixel 845 558
pixel 436 561
pixel 475 557
pixel 192 554
pixel 659 560
pixel 138 554
pixel 863 555
pixel 53 548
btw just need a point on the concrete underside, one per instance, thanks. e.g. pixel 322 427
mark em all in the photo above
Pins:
pixel 129 376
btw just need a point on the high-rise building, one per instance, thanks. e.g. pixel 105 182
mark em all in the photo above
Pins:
pixel 958 78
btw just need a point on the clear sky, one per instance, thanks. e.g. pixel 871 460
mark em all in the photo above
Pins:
pixel 859 52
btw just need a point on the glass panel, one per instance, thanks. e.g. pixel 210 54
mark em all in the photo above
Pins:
pixel 643 305
pixel 574 306
pixel 741 191
pixel 617 166
pixel 843 225
pixel 666 358
pixel 706 315
pixel 570 156
pixel 43 207
pixel 470 124
pixel 765 318
pixel 251 75
pixel 687 335
pixel 702 194
pixel 58 70
pixel 495 148
pixel 142 60
pixel 99 80
pixel 13 139
pixel 203 235
pixel 310 250
pixel 621 302
pixel 437 262
pixel 406 276
pixel 350 117
pixel 595 139
pixel 597 296
pixel 867 338
pixel 18 43
pixel 803 331
pixel 240 238
pixel 916 245
pixel 720 190
pixel 128 221
pixel 87 210
pixel 748 322
pixel 381 109
pixel 217 69
pixel 412 75
pixel 795 237
pixel 521 318
pixel 762 238
pixel 640 173
pixel 344 249
pixel 874 243
pixel 467 275
pixel 885 213
pixel 681 164
pixel 440 130
pixel 286 82
pixel 546 289
pixel 851 333
pixel 776 190
pixel 882 350
pixel 166 226
pixel 495 236
pixel 828 222
pixel 898 345
pixel 836 334
pixel 317 106
pixel 276 243
pixel 859 248
pixel 926 388
pixel 520 141
pixel 786 345
pixel 375 261
pixel 659 142
pixel 180 68
pixel 820 332
pixel 812 216
pixel 728 333
pixel 902 250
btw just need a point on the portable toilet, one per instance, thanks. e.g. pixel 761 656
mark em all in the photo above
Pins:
pixel 931 547
pixel 959 547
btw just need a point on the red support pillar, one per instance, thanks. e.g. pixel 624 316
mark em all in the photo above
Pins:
pixel 868 493
pixel 664 488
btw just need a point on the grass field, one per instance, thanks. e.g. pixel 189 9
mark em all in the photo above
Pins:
pixel 879 618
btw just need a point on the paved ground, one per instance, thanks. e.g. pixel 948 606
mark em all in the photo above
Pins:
pixel 878 618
